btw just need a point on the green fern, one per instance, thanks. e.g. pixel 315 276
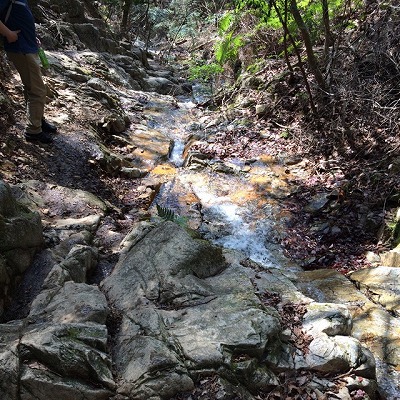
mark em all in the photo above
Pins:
pixel 165 213
pixel 227 48
pixel 225 22
pixel 204 72
pixel 169 215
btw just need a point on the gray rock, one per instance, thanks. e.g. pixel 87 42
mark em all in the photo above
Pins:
pixel 79 262
pixel 261 109
pixel 115 123
pixel 148 367
pixel 339 353
pixel 37 382
pixel 174 256
pixel 99 84
pixel 62 200
pixel 8 206
pixel 77 77
pixel 391 258
pixel 21 236
pixel 177 303
pixel 9 361
pixel 162 85
pixel 75 267
pixel 374 327
pixel 72 303
pixel 74 8
pixel 70 350
pixel 209 332
pixel 134 172
pixel 91 36
pixel 381 284
pixel 318 203
pixel 183 309
pixel 20 228
pixel 355 383
pixel 89 223
pixel 331 319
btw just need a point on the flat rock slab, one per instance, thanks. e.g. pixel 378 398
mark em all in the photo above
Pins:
pixel 391 258
pixel 58 200
pixel 72 303
pixel 381 284
pixel 371 323
pixel 374 326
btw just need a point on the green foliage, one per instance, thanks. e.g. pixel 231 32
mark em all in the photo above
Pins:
pixel 165 213
pixel 256 66
pixel 169 215
pixel 225 22
pixel 184 18
pixel 311 11
pixel 260 8
pixel 285 134
pixel 205 72
pixel 396 234
pixel 394 228
pixel 228 47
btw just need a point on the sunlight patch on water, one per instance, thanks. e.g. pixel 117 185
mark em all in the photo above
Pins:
pixel 235 214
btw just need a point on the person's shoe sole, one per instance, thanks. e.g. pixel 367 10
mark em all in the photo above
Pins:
pixel 41 137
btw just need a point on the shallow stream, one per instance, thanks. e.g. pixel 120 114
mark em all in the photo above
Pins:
pixel 234 203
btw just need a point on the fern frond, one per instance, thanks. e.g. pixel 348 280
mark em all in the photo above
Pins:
pixel 166 213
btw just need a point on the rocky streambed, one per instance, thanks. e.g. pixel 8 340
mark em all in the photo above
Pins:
pixel 103 299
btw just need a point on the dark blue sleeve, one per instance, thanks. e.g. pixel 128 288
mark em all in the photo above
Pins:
pixel 21 19
pixel 3 8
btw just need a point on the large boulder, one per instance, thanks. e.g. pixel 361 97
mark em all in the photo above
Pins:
pixel 162 85
pixel 184 308
pixel 181 313
pixel 21 236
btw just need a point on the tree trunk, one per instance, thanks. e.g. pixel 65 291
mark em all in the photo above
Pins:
pixel 327 29
pixel 283 20
pixel 126 8
pixel 305 34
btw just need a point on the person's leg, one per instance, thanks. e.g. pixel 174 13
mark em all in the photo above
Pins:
pixel 35 90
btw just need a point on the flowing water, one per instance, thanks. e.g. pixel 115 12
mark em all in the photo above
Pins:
pixel 239 208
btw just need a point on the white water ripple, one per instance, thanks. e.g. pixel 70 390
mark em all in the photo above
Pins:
pixel 234 227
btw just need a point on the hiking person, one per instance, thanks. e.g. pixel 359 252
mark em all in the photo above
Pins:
pixel 17 25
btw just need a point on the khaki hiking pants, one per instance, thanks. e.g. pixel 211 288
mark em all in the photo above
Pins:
pixel 28 67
